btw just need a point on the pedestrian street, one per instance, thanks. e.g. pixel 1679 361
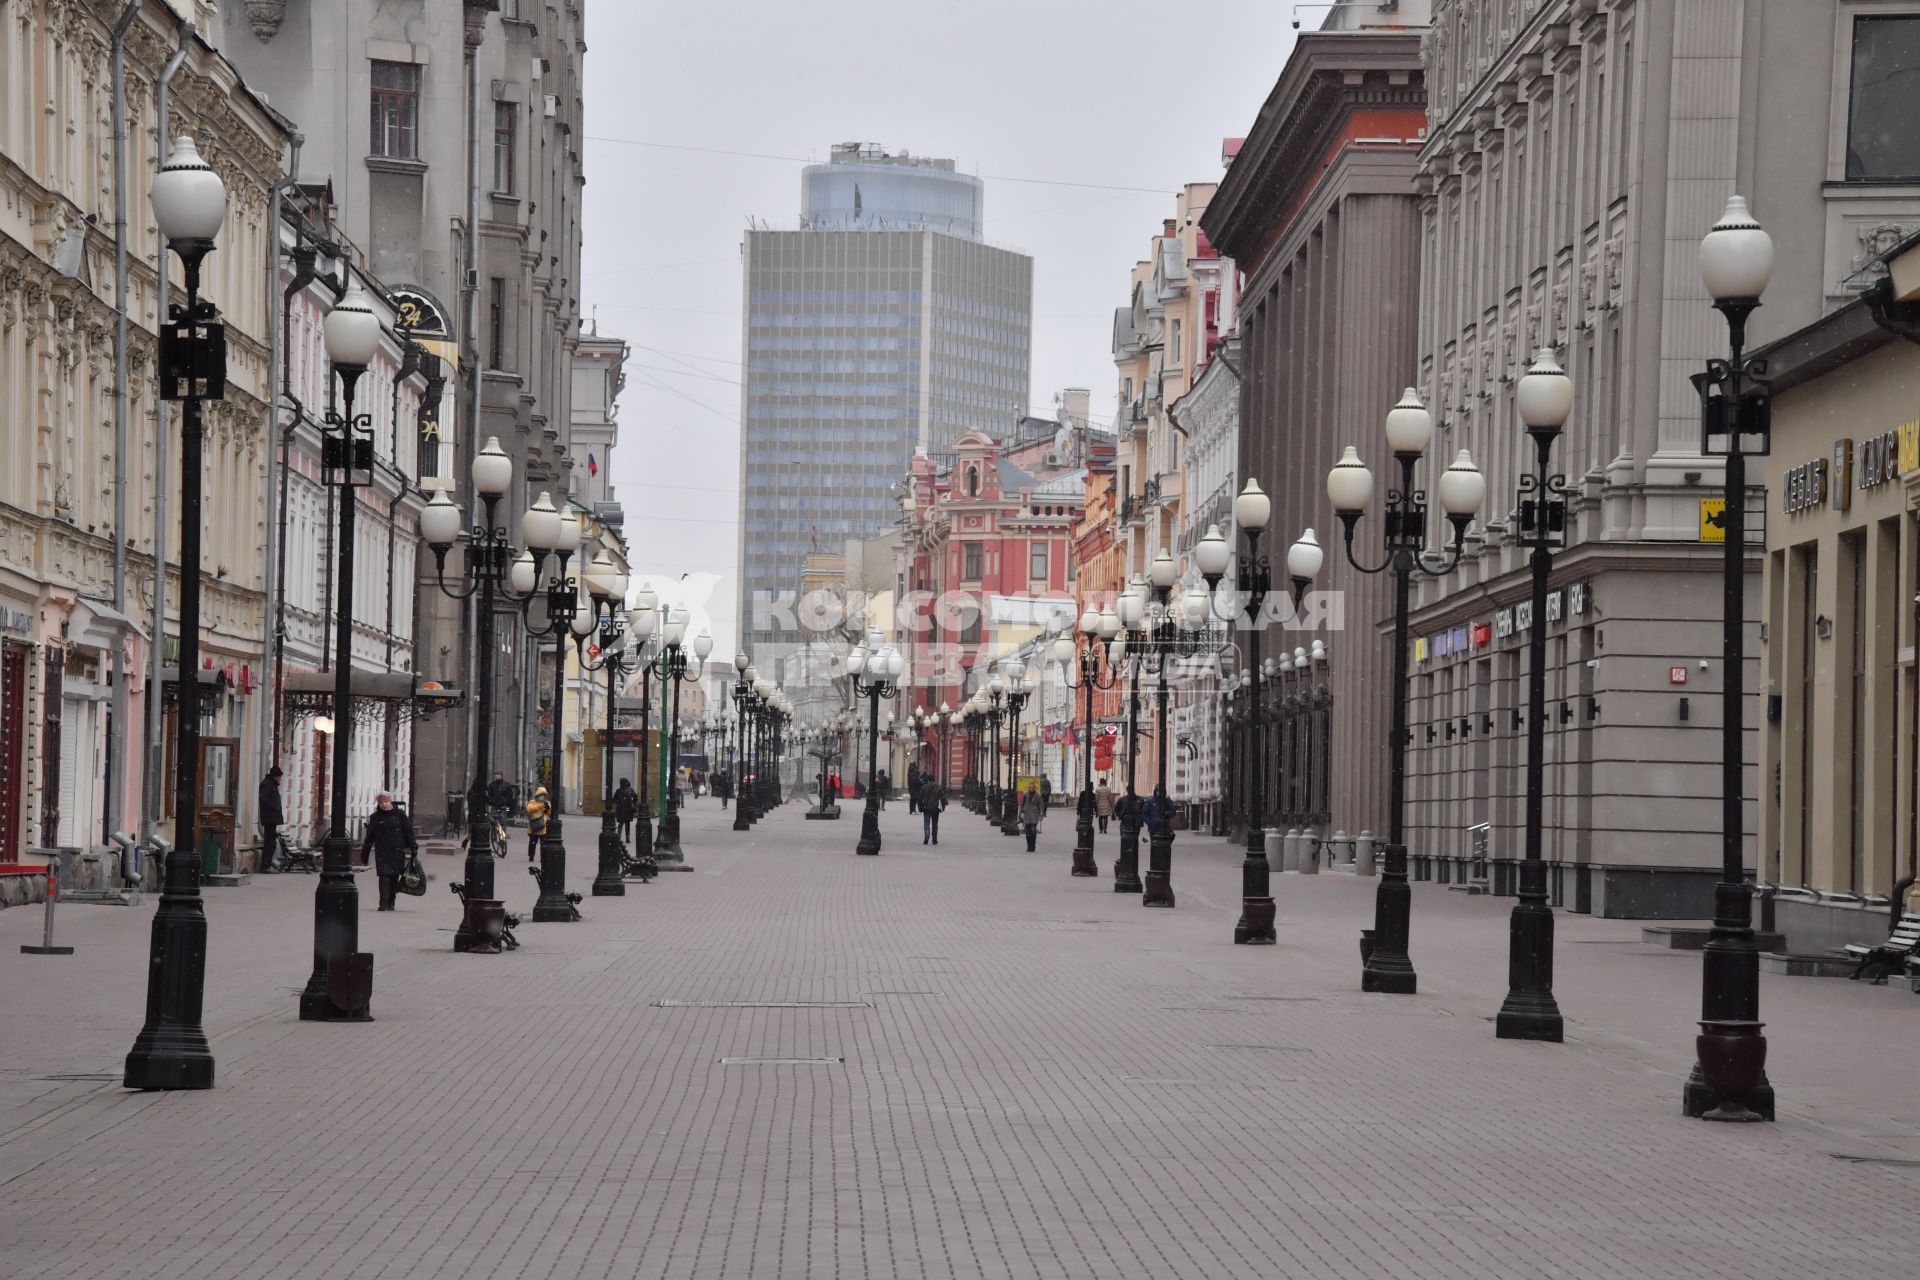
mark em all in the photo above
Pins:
pixel 949 1062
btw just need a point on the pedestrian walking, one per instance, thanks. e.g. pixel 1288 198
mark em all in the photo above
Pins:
pixel 1103 804
pixel 933 802
pixel 272 815
pixel 537 810
pixel 626 806
pixel 723 785
pixel 1046 792
pixel 499 794
pixel 1150 812
pixel 1033 809
pixel 881 784
pixel 389 835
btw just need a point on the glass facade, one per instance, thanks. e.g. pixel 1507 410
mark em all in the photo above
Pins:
pixel 862 346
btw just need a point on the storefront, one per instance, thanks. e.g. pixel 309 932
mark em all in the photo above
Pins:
pixel 1840 737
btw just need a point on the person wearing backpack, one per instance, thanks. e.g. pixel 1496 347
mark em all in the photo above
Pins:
pixel 933 799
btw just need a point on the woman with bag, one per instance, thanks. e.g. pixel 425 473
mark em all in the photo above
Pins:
pixel 390 835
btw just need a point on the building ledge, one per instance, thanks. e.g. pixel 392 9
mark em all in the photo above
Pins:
pixel 394 164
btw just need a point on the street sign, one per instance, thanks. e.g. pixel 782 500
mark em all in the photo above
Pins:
pixel 1713 519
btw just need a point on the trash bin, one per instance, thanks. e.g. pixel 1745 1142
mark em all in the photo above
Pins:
pixel 209 857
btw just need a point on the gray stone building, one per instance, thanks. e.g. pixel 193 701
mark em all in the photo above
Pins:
pixel 1578 150
pixel 1319 209
pixel 424 122
pixel 884 326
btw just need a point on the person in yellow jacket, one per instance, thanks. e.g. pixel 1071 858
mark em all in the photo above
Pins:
pixel 537 810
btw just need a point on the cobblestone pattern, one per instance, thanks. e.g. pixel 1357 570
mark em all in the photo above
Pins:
pixel 1050 1082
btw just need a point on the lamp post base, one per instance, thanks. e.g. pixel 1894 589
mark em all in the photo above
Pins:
pixel 1083 860
pixel 1388 969
pixel 482 926
pixel 1530 1011
pixel 1255 927
pixel 554 905
pixel 1126 868
pixel 869 843
pixel 609 883
pixel 171 1051
pixel 331 993
pixel 1159 886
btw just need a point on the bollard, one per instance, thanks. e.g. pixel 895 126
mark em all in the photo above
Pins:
pixel 1363 854
pixel 1312 845
pixel 46 947
pixel 1290 850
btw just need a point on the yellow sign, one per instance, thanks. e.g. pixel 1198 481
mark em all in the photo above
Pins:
pixel 1909 446
pixel 1713 519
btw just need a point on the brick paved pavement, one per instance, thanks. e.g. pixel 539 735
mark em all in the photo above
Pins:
pixel 1050 1081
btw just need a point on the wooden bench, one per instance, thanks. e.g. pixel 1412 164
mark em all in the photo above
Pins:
pixel 1876 963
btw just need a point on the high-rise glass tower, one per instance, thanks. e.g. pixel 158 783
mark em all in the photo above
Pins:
pixel 882 326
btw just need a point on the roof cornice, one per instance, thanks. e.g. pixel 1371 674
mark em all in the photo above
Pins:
pixel 1329 76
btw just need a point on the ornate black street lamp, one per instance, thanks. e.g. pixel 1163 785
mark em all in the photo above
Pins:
pixel 1014 673
pixel 488 552
pixel 352 335
pixel 1131 610
pixel 608 588
pixel 743 703
pixel 1729 1080
pixel 996 690
pixel 674 669
pixel 547 531
pixel 1176 630
pixel 171 1050
pixel 1254 577
pixel 1389 968
pixel 646 614
pixel 875 673
pixel 1097 629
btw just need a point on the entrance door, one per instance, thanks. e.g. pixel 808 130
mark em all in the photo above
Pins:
pixel 219 792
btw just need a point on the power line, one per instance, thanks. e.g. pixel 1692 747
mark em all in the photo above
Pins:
pixel 761 155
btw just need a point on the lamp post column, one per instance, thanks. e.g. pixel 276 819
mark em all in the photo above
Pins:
pixel 609 883
pixel 1084 863
pixel 480 918
pixel 1126 870
pixel 1729 1079
pixel 553 904
pixel 1159 878
pixel 336 902
pixel 643 821
pixel 869 842
pixel 171 1049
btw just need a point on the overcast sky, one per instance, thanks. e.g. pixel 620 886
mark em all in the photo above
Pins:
pixel 1075 97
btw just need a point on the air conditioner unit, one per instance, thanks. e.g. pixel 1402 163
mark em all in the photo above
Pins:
pixel 552 104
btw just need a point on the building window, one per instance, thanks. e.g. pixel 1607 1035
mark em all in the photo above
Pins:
pixel 1037 561
pixel 496 322
pixel 396 110
pixel 970 561
pixel 1882 143
pixel 505 120
pixel 1174 348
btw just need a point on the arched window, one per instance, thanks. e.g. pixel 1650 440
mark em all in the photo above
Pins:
pixel 973 482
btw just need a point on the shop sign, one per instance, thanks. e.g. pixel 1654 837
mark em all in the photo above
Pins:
pixel 1879 459
pixel 1804 487
pixel 1572 602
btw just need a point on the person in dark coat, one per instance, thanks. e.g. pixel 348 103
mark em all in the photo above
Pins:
pixel 626 807
pixel 913 788
pixel 272 816
pixel 933 799
pixel 389 835
pixel 1033 811
pixel 500 792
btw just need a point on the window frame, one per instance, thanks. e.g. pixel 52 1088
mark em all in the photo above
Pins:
pixel 385 130
pixel 1840 126
pixel 505 148
pixel 1039 561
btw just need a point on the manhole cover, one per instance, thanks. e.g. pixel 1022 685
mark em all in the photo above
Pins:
pixel 763 1004
pixel 781 1062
